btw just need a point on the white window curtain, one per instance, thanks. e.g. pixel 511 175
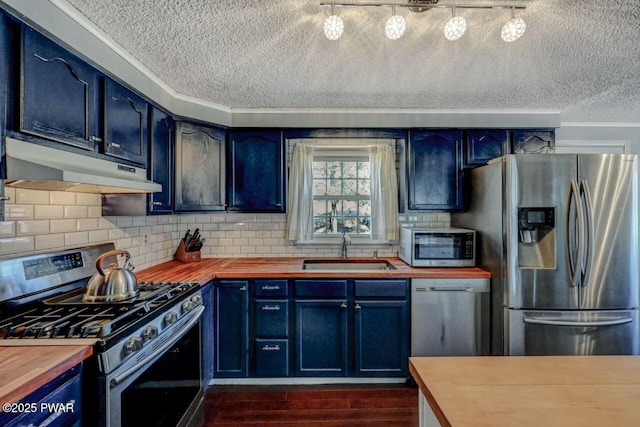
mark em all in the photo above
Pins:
pixel 384 193
pixel 300 194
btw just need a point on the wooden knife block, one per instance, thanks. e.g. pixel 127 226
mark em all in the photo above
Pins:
pixel 183 256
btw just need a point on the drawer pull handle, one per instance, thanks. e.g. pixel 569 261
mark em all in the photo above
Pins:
pixel 270 287
pixel 51 418
pixel 244 288
pixel 270 308
pixel 268 347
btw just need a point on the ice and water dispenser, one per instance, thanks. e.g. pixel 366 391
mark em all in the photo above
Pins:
pixel 537 237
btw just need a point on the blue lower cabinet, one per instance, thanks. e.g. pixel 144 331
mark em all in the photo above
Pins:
pixel 207 330
pixel 271 318
pixel 271 357
pixel 381 338
pixel 57 403
pixel 321 338
pixel 231 328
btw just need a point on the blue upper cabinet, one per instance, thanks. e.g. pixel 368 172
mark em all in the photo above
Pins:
pixel 59 93
pixel 200 177
pixel 482 145
pixel 160 169
pixel 533 141
pixel 125 123
pixel 434 170
pixel 256 166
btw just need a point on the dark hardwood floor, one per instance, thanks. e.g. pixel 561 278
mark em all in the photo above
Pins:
pixel 386 405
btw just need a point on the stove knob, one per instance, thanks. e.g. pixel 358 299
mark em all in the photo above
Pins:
pixel 133 344
pixel 196 299
pixel 149 333
pixel 186 306
pixel 170 317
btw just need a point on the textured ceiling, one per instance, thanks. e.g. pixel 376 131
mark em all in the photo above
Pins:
pixel 579 57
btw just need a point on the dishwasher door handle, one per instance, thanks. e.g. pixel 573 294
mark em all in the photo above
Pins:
pixel 436 289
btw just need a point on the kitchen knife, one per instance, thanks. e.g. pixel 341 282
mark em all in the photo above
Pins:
pixel 185 239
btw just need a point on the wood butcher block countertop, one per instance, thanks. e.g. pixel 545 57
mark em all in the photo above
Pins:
pixel 25 369
pixel 531 390
pixel 289 267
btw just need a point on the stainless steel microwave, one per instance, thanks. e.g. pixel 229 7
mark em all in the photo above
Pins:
pixel 438 247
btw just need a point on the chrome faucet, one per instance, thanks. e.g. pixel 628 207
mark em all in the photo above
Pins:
pixel 346 240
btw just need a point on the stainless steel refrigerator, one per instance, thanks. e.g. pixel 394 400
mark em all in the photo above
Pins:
pixel 559 234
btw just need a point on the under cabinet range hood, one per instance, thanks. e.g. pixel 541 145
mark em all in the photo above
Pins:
pixel 38 167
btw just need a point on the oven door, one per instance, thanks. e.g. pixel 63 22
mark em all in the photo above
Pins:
pixel 163 389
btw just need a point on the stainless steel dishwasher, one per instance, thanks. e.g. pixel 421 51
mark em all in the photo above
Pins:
pixel 449 317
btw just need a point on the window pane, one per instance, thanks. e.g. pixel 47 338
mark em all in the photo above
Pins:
pixel 319 187
pixel 350 224
pixel 319 224
pixel 335 187
pixel 365 207
pixel 349 186
pixel 349 170
pixel 334 169
pixel 319 169
pixel 364 187
pixel 364 170
pixel 364 225
pixel 350 207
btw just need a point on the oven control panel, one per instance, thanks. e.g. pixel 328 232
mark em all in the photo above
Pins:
pixel 54 264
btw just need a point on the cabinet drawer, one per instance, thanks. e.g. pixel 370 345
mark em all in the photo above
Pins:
pixel 65 405
pixel 321 288
pixel 272 358
pixel 271 288
pixel 272 319
pixel 380 288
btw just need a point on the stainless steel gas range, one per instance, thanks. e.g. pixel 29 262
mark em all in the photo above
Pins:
pixel 147 363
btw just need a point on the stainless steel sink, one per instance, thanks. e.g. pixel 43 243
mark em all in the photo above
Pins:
pixel 347 265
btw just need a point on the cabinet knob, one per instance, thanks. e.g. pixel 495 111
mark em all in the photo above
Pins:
pixel 278 205
pixel 343 305
pixel 358 307
pixel 95 139
pixel 114 145
pixel 244 288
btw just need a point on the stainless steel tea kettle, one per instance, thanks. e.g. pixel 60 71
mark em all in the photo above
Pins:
pixel 114 283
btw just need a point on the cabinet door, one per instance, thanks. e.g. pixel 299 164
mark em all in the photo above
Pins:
pixel 256 181
pixel 5 64
pixel 381 338
pixel 321 338
pixel 231 329
pixel 208 330
pixel 533 141
pixel 434 169
pixel 161 161
pixel 59 93
pixel 199 168
pixel 482 145
pixel 125 123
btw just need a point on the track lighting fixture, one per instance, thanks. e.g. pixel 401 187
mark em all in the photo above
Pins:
pixel 396 25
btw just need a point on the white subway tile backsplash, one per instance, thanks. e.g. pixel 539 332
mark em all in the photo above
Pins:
pixel 74 219
pixel 48 212
pixel 63 225
pixel 31 197
pixel 87 199
pixel 76 212
pixel 49 241
pixel 7 229
pixel 77 238
pixel 62 198
pixel 32 227
pixel 14 245
pixel 16 212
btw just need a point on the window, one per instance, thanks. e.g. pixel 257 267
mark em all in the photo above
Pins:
pixel 341 196
pixel 334 190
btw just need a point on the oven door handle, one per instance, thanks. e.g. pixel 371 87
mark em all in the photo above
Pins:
pixel 196 313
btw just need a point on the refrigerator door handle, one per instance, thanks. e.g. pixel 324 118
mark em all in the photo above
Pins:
pixel 611 322
pixel 574 262
pixel 590 232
